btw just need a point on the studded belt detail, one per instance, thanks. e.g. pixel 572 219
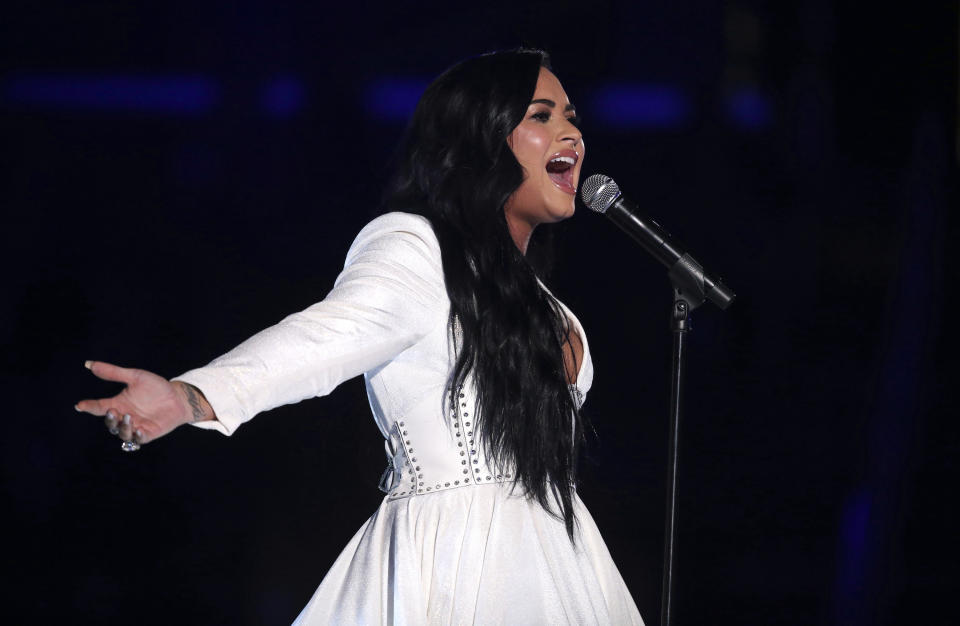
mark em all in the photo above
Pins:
pixel 410 478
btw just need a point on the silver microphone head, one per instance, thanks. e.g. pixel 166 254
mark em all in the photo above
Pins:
pixel 599 192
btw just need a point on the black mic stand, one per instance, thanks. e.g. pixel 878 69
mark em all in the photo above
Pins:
pixel 686 276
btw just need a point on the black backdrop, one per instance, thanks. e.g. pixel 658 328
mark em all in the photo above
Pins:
pixel 805 151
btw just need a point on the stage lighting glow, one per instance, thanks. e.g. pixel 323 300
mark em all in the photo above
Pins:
pixel 854 555
pixel 639 105
pixel 393 99
pixel 283 96
pixel 184 95
pixel 749 108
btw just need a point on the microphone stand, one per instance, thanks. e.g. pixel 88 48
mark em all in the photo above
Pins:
pixel 686 277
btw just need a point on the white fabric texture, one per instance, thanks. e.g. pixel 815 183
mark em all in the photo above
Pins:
pixel 453 542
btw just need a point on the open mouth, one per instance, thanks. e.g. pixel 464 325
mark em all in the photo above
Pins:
pixel 560 170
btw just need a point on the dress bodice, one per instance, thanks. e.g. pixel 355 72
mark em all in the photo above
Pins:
pixel 432 444
pixel 430 437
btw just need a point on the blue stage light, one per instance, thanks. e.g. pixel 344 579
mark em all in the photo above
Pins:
pixel 393 99
pixel 748 108
pixel 637 105
pixel 184 95
pixel 283 96
pixel 854 557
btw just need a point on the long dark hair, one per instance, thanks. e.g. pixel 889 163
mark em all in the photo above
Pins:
pixel 457 170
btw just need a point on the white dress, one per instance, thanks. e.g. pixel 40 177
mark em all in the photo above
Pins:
pixel 451 543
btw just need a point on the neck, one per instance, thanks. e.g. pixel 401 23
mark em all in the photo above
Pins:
pixel 520 232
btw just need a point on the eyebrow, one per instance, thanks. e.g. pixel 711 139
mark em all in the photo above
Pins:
pixel 552 104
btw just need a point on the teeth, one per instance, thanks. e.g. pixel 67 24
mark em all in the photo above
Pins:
pixel 563 159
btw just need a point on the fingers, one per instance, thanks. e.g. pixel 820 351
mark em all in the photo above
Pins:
pixel 94 407
pixel 108 371
pixel 131 438
pixel 125 427
pixel 112 423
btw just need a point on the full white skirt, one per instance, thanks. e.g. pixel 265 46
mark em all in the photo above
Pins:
pixel 473 555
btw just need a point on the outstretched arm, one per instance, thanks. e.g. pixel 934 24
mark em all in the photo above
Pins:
pixel 389 295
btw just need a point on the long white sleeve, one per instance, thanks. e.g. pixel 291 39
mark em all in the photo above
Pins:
pixel 389 295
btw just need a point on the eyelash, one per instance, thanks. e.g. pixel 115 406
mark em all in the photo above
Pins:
pixel 544 117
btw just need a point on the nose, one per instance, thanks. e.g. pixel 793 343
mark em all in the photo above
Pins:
pixel 571 133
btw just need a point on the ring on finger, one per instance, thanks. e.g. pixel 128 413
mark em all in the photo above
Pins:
pixel 134 444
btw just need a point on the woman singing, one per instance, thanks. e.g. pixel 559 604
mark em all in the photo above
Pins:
pixel 475 373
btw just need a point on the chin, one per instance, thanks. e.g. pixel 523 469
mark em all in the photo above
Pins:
pixel 560 212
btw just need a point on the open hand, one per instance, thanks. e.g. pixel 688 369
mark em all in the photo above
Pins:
pixel 149 406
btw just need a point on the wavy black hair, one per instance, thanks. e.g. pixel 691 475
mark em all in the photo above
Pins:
pixel 456 169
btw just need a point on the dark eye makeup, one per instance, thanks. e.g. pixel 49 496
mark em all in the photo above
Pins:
pixel 544 116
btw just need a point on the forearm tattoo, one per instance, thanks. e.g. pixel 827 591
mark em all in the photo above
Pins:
pixel 195 399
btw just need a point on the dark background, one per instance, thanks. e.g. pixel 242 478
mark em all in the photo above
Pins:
pixel 177 177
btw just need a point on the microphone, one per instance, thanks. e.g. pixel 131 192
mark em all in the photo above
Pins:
pixel 601 194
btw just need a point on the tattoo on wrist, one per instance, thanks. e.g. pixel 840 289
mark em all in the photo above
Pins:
pixel 195 400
